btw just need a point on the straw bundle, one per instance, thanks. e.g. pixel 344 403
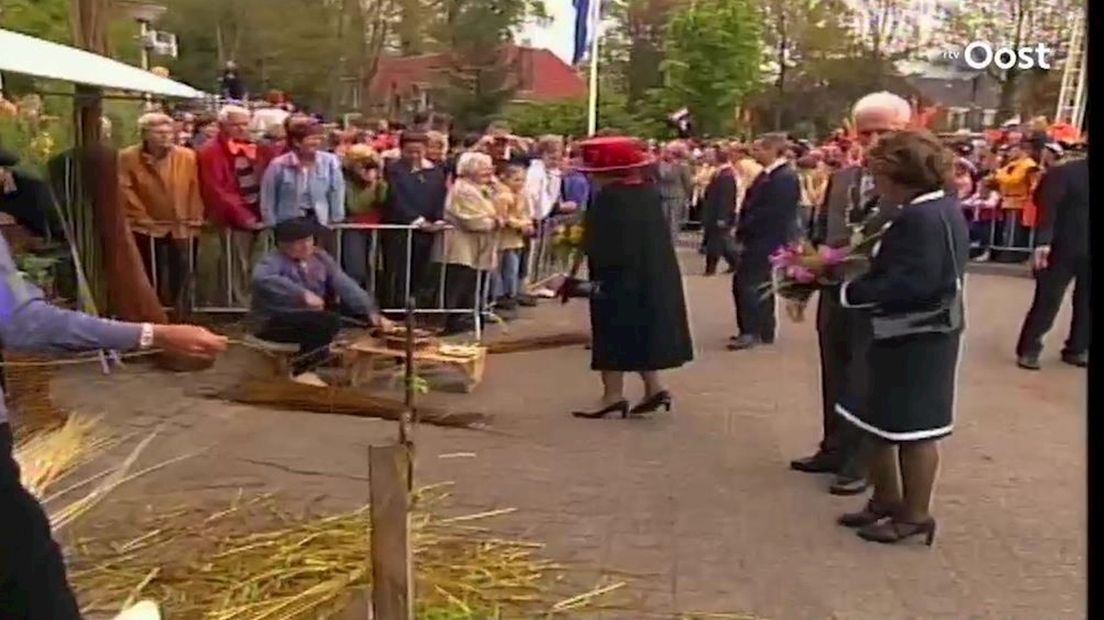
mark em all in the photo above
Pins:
pixel 45 457
pixel 218 567
pixel 27 387
pixel 283 393
pixel 538 343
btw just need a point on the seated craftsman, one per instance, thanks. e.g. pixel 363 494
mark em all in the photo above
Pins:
pixel 300 295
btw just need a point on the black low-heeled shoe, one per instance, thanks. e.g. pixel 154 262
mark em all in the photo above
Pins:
pixel 655 402
pixel 621 405
pixel 893 531
pixel 870 514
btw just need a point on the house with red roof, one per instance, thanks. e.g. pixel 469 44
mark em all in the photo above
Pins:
pixel 407 84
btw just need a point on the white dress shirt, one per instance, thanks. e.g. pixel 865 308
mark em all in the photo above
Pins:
pixel 542 188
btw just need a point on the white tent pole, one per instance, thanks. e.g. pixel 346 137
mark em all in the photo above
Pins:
pixel 592 104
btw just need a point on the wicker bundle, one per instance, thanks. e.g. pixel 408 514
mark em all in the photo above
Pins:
pixel 538 343
pixel 283 393
pixel 27 387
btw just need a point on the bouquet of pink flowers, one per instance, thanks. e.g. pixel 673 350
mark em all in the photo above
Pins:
pixel 800 269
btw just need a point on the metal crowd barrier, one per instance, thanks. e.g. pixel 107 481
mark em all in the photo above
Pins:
pixel 544 262
pixel 1010 219
pixel 213 258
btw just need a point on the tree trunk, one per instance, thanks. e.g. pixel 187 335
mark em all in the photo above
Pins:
pixel 1006 108
pixel 781 84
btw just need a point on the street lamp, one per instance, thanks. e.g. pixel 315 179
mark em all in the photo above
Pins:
pixel 145 13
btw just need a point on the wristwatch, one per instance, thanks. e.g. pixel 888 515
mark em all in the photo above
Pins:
pixel 145 337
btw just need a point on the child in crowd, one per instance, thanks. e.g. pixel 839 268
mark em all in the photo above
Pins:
pixel 515 214
pixel 979 199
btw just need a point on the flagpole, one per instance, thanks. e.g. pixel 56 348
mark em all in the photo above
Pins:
pixel 592 103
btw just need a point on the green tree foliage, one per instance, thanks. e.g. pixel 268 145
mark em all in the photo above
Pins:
pixel 304 47
pixel 633 48
pixel 1015 24
pixel 481 75
pixel 46 19
pixel 820 65
pixel 569 118
pixel 713 60
pixel 800 38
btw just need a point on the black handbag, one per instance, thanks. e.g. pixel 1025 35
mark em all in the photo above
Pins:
pixel 576 288
pixel 947 317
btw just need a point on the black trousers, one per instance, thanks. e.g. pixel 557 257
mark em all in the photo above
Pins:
pixel 460 285
pixel 394 243
pixel 312 330
pixel 523 257
pixel 754 302
pixel 1050 288
pixel 844 342
pixel 718 244
pixel 170 257
pixel 32 572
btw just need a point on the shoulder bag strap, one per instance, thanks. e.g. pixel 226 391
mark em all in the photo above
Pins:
pixel 951 247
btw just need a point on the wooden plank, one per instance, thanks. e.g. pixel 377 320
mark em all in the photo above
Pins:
pixel 392 565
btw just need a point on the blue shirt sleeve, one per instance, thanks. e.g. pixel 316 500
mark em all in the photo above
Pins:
pixel 274 289
pixel 29 323
pixel 354 299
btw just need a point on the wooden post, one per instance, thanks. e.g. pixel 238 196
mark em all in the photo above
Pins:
pixel 392 566
pixel 391 478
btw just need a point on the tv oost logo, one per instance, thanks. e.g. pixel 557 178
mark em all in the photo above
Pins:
pixel 980 55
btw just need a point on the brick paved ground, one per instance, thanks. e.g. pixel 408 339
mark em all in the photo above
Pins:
pixel 697 507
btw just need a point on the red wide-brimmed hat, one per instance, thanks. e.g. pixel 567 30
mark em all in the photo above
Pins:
pixel 614 154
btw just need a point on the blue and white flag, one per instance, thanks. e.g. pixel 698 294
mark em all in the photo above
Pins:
pixel 585 28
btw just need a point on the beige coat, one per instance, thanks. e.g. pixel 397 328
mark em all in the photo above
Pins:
pixel 473 240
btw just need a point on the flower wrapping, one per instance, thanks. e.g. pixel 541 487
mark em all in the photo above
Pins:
pixel 799 268
pixel 567 241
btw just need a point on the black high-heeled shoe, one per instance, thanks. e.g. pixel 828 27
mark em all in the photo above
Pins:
pixel 655 402
pixel 893 531
pixel 621 405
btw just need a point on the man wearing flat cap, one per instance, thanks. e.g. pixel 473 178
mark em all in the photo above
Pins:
pixel 300 295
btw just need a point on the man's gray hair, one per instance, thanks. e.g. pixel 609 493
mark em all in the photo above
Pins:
pixel 883 101
pixel 153 119
pixel 226 111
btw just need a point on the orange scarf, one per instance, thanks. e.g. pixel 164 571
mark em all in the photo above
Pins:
pixel 241 147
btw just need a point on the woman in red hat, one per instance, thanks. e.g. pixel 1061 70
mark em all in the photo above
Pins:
pixel 637 309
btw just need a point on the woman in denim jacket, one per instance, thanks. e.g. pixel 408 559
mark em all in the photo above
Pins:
pixel 304 182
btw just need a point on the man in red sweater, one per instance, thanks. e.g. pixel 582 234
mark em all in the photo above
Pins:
pixel 230 170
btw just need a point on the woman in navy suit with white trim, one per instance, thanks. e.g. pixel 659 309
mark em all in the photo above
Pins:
pixel 913 292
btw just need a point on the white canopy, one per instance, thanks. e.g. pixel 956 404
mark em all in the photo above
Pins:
pixel 27 55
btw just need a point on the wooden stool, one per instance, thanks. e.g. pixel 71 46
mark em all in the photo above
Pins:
pixel 280 353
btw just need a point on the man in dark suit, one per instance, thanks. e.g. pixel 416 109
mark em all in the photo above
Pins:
pixel 850 208
pixel 1061 256
pixel 766 222
pixel 718 216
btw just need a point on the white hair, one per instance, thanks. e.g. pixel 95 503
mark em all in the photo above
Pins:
pixel 153 119
pixel 226 111
pixel 883 101
pixel 472 161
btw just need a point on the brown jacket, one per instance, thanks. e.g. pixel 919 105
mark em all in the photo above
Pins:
pixel 160 197
pixel 513 209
